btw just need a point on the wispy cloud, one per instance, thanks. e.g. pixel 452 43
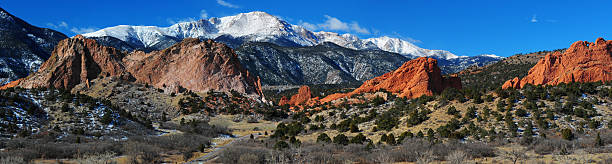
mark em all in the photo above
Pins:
pixel 409 39
pixel 62 24
pixel 335 24
pixel 355 27
pixel 308 26
pixel 227 4
pixel 76 30
pixel 534 19
pixel 83 30
pixel 203 14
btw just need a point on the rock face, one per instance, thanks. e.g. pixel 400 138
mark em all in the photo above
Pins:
pixel 74 61
pixel 415 78
pixel 194 65
pixel 191 64
pixel 23 47
pixel 582 62
pixel 301 98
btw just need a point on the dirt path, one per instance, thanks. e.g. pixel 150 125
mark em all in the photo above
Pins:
pixel 217 150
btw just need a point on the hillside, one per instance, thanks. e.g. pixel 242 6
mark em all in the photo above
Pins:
pixel 494 75
pixel 23 47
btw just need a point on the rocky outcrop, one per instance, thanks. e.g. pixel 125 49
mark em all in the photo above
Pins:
pixel 303 97
pixel 415 78
pixel 514 83
pixel 191 64
pixel 74 61
pixel 582 62
pixel 194 65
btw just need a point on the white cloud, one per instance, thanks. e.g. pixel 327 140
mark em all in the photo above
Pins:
pixel 534 19
pixel 308 26
pixel 203 14
pixel 62 24
pixel 334 24
pixel 227 4
pixel 355 27
pixel 409 39
pixel 83 30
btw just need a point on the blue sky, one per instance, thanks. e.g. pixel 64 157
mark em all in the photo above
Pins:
pixel 466 27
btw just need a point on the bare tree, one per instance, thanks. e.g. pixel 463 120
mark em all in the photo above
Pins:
pixel 383 157
pixel 456 157
pixel 248 158
pixel 12 160
pixel 515 154
pixel 425 158
pixel 98 158
pixel 583 156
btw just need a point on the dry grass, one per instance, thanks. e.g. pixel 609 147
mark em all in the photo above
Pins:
pixel 243 127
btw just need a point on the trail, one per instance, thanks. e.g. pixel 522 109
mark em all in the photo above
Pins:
pixel 217 150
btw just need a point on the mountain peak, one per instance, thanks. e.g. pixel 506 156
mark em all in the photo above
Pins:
pixel 258 26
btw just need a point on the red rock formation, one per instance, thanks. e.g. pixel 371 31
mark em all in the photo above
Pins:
pixel 194 65
pixel 514 83
pixel 301 98
pixel 11 84
pixel 191 64
pixel 74 61
pixel 582 62
pixel 283 101
pixel 413 79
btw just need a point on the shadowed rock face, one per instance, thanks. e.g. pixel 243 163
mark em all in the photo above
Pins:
pixel 582 62
pixel 301 98
pixel 415 78
pixel 191 64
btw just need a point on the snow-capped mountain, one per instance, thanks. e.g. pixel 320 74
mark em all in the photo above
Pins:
pixel 406 48
pixel 263 27
pixel 258 27
pixel 253 26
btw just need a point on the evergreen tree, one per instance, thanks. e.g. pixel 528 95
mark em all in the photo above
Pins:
pixel 323 138
pixel 358 139
pixel 341 139
pixel 567 134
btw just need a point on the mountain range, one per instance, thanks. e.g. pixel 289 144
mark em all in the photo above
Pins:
pixel 258 38
pixel 263 27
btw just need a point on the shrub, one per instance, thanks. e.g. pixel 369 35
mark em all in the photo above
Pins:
pixel 358 139
pixel 281 145
pixel 243 154
pixel 341 139
pixel 456 157
pixel 567 134
pixel 323 138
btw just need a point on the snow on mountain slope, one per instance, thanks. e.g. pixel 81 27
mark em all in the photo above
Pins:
pixel 406 48
pixel 260 27
pixel 253 26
